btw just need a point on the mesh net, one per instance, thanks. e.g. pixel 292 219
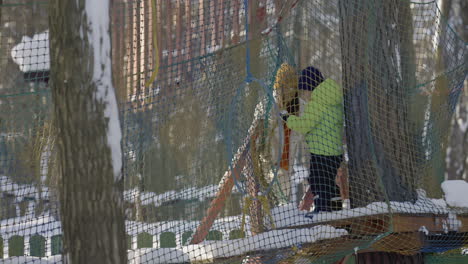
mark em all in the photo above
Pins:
pixel 253 131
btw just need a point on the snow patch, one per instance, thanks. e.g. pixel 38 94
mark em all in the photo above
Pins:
pixel 424 230
pixel 32 54
pixel 456 192
pixel 98 35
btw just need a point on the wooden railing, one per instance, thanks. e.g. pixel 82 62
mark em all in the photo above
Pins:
pixel 29 238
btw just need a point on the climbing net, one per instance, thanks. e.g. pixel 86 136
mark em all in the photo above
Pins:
pixel 227 156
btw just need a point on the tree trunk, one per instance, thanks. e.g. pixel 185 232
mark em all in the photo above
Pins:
pixel 437 111
pixel 377 69
pixel 457 152
pixel 89 151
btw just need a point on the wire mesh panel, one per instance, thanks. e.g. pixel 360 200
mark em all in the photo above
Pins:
pixel 254 131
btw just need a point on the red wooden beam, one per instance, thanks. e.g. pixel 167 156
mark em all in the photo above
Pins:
pixel 223 193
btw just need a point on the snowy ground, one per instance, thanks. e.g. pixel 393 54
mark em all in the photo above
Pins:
pixel 35 260
pixel 275 239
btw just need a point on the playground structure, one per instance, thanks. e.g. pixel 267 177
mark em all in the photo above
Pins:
pixel 205 151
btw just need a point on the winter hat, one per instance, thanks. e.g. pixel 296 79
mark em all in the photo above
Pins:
pixel 310 78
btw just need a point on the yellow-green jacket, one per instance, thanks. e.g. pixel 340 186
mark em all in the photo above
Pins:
pixel 322 120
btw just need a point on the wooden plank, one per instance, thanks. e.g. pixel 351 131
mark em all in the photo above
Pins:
pixel 188 37
pixel 409 243
pixel 201 26
pixel 409 223
pixel 364 225
pixel 235 21
pixel 433 223
pixel 179 24
pixel 220 23
pixel 380 223
pixel 464 223
pixel 401 243
pixel 169 43
pixel 218 203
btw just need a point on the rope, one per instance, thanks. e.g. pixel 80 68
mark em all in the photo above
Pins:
pixel 258 170
pixel 266 208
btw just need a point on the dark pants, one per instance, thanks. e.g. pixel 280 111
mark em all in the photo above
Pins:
pixel 322 176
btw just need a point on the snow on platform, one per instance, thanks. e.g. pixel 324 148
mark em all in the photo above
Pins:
pixel 289 215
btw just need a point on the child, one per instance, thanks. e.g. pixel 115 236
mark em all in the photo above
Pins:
pixel 322 126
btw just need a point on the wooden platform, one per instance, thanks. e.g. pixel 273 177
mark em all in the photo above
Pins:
pixel 396 223
pixel 398 233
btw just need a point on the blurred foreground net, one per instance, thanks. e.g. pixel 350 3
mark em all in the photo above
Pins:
pixel 211 169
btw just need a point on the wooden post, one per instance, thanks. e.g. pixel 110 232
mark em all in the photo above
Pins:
pixel 188 36
pixel 201 26
pixel 130 54
pixel 213 22
pixel 179 55
pixel 147 51
pixel 137 51
pixel 159 34
pixel 118 50
pixel 169 46
pixel 220 23
pixel 140 47
pixel 223 193
pixel 235 21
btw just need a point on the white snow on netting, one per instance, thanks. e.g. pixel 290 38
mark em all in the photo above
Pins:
pixel 32 54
